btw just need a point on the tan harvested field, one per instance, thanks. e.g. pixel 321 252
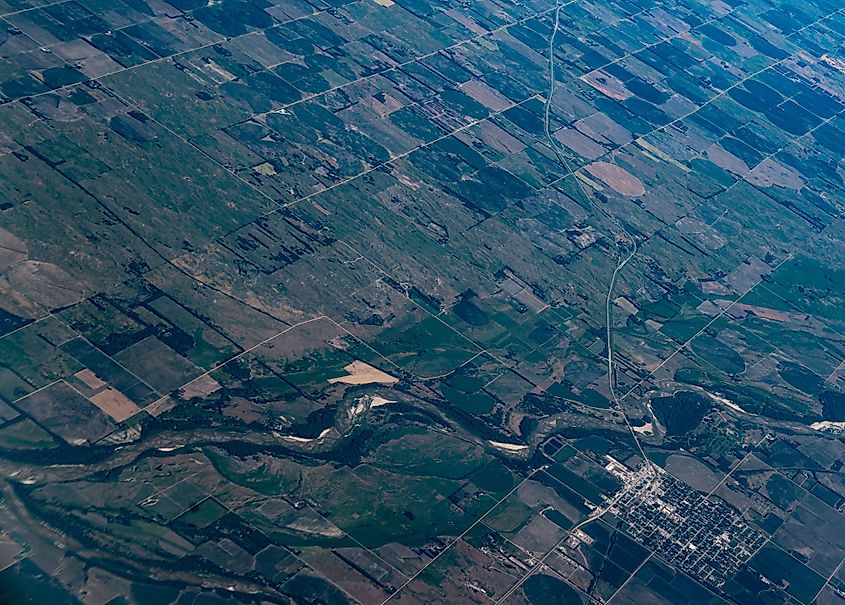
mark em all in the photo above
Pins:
pixel 201 387
pixel 90 379
pixel 364 373
pixel 601 128
pixel 617 178
pixel 609 85
pixel 579 143
pixel 727 160
pixel 499 139
pixel 485 95
pixel 765 313
pixel 115 404
pixel 770 173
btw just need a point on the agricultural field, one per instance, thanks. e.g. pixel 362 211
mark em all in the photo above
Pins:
pixel 524 302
